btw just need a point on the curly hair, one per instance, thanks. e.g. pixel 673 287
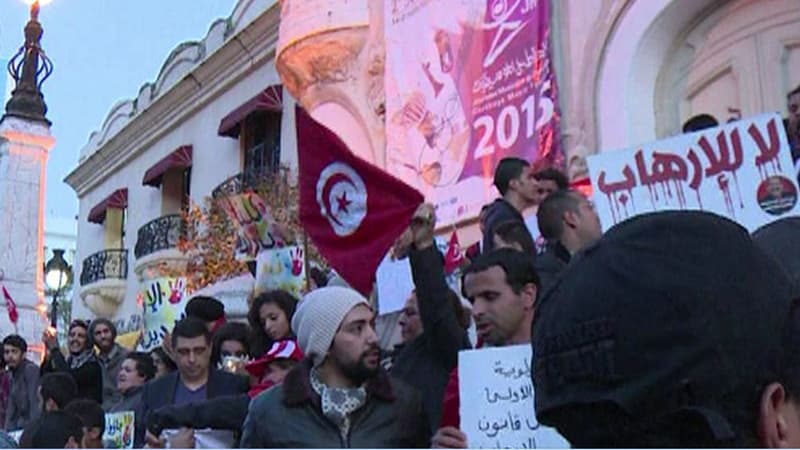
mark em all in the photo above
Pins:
pixel 259 341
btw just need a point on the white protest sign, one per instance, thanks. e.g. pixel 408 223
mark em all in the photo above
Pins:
pixel 394 283
pixel 742 170
pixel 163 301
pixel 496 393
pixel 205 438
pixel 119 430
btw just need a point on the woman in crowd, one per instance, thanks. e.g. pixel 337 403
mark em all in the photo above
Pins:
pixel 269 316
pixel 230 347
pixel 163 363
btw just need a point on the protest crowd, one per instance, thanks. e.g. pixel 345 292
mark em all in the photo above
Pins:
pixel 671 329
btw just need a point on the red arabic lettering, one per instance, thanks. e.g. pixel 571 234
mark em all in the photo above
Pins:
pixel 611 190
pixel 723 162
pixel 697 175
pixel 722 182
pixel 767 152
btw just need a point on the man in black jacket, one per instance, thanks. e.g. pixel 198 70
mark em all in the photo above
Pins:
pixel 433 321
pixel 515 181
pixel 569 222
pixel 194 381
pixel 340 397
pixel 82 363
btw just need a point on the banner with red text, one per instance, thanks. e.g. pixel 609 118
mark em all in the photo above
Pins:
pixel 468 82
pixel 742 170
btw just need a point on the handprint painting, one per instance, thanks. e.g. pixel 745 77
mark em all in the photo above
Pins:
pixel 281 268
pixel 163 301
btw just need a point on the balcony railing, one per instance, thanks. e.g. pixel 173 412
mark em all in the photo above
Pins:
pixel 159 234
pixel 108 264
pixel 250 178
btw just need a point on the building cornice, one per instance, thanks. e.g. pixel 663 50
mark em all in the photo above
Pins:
pixel 239 55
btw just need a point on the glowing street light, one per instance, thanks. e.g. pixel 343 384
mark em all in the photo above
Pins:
pixel 26 67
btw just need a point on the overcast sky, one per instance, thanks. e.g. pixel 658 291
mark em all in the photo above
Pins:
pixel 103 51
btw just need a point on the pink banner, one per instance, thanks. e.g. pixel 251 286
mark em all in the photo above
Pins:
pixel 468 82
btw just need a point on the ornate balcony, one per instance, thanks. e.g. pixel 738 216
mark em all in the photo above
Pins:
pixel 103 281
pixel 159 234
pixel 251 177
pixel 108 264
pixel 156 249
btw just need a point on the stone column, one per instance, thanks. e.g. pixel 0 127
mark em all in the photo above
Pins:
pixel 24 147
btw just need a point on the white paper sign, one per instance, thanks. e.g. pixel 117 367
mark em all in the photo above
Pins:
pixel 395 284
pixel 497 400
pixel 205 438
pixel 742 170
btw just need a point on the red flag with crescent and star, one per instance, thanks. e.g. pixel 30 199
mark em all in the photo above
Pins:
pixel 351 209
pixel 11 306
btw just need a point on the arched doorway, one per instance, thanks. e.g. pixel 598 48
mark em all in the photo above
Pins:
pixel 670 59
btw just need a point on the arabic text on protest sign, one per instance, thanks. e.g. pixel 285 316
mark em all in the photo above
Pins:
pixel 497 394
pixel 163 300
pixel 740 170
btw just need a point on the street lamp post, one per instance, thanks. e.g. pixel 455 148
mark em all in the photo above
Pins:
pixel 57 274
pixel 26 67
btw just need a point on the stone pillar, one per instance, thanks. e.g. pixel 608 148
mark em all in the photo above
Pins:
pixel 330 57
pixel 24 147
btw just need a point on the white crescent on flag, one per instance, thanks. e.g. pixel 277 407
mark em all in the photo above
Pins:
pixel 342 198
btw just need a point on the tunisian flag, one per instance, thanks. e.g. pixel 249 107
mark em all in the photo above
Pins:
pixel 352 210
pixel 454 257
pixel 13 315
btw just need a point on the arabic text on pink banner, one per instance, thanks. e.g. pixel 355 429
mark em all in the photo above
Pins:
pixel 467 84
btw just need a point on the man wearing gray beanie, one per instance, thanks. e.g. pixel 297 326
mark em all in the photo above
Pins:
pixel 339 396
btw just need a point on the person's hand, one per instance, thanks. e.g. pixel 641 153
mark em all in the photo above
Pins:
pixel 182 439
pixel 449 437
pixel 402 244
pixel 418 234
pixel 422 226
pixel 49 338
pixel 151 441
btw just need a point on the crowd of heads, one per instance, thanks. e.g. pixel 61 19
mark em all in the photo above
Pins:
pixel 671 329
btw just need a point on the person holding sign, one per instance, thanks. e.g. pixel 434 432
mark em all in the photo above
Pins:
pixel 502 286
pixel 137 369
pixel 195 380
pixel 229 412
pixel 674 330
pixel 340 396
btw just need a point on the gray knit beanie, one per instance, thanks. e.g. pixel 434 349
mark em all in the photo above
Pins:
pixel 318 317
